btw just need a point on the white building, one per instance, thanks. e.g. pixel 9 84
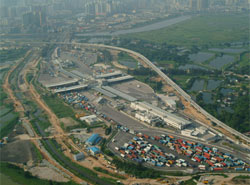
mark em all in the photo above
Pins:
pixel 91 119
pixel 79 156
pixel 169 118
pixel 147 117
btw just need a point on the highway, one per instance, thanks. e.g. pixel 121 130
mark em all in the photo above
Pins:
pixel 169 81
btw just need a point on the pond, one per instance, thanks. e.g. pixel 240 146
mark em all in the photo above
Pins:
pixel 200 57
pixel 197 85
pixel 207 97
pixel 213 84
pixel 228 50
pixel 129 64
pixel 219 62
pixel 191 66
pixel 226 91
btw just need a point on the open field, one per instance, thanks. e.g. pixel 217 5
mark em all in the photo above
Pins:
pixel 19 176
pixel 201 30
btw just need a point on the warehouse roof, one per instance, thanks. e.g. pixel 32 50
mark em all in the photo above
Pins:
pixel 163 113
pixel 122 78
pixel 62 83
pixel 94 149
pixel 106 93
pixel 119 93
pixel 71 88
pixel 117 73
pixel 93 139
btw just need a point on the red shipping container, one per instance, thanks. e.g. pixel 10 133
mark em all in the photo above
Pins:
pixel 217 169
pixel 197 159
pixel 209 162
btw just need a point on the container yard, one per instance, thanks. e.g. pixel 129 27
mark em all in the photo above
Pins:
pixel 141 148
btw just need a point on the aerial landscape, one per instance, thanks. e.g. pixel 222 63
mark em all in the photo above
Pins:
pixel 133 92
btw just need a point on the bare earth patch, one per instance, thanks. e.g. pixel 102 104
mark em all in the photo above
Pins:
pixel 48 173
pixel 68 121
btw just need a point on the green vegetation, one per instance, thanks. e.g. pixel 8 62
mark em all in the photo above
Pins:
pixel 201 30
pixel 9 125
pixel 55 150
pixel 122 56
pixel 240 177
pixel 136 169
pixel 239 120
pixel 9 118
pixel 11 54
pixel 108 130
pixel 57 106
pixel 188 182
pixel 20 176
pixel 99 169
pixel 243 66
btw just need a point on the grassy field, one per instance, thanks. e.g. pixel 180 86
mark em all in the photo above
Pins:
pixel 58 107
pixel 19 176
pixel 201 30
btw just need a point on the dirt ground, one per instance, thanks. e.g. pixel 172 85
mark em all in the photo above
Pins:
pixel 100 131
pixel 48 174
pixel 228 180
pixel 68 121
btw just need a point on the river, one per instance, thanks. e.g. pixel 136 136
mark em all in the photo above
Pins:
pixel 150 27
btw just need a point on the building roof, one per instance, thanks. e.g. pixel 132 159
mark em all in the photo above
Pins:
pixel 116 73
pixel 119 93
pixel 88 117
pixel 80 154
pixel 122 78
pixel 67 82
pixel 163 113
pixel 93 138
pixel 94 149
pixel 106 93
pixel 71 88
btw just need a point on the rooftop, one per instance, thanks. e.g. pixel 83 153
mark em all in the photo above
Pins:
pixel 127 77
pixel 119 93
pixel 116 73
pixel 62 83
pixel 106 93
pixel 75 87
